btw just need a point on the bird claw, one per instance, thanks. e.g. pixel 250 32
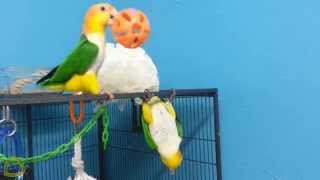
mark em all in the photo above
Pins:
pixel 78 93
pixel 172 95
pixel 101 102
pixel 147 95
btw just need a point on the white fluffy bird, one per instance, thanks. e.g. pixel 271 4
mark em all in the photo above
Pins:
pixel 127 70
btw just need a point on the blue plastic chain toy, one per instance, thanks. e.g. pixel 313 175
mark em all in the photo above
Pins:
pixel 8 128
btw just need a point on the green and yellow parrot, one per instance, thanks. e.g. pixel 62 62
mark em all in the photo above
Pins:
pixel 162 131
pixel 78 72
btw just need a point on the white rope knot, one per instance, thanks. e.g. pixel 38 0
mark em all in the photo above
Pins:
pixel 78 164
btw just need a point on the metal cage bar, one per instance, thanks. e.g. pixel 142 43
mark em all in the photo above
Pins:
pixel 29 138
pixel 44 121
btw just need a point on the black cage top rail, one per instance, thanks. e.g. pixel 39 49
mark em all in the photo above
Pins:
pixel 46 98
pixel 54 98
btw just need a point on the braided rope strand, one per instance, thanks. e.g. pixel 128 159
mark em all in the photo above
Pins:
pixel 17 86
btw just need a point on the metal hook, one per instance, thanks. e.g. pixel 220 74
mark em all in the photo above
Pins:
pixel 14 124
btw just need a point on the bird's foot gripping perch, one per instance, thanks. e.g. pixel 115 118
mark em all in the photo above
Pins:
pixel 100 103
pixel 147 95
pixel 172 95
pixel 109 95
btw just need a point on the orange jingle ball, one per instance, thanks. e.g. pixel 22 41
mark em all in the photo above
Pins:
pixel 131 28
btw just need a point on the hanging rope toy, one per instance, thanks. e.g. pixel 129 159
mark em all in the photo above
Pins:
pixel 77 162
pixel 8 128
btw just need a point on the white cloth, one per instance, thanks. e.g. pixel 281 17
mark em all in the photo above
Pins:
pixel 127 70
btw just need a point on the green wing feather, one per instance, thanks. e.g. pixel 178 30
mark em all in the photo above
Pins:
pixel 179 128
pixel 78 62
pixel 147 136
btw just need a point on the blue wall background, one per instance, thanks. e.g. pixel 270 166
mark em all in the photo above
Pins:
pixel 262 55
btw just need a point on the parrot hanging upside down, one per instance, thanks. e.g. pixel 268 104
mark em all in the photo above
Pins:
pixel 163 131
pixel 78 72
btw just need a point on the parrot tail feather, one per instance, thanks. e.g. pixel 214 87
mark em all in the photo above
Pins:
pixel 55 87
pixel 47 77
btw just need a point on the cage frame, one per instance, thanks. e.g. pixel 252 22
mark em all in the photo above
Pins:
pixel 47 98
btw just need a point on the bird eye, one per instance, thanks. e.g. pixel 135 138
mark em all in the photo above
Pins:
pixel 111 16
pixel 102 8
